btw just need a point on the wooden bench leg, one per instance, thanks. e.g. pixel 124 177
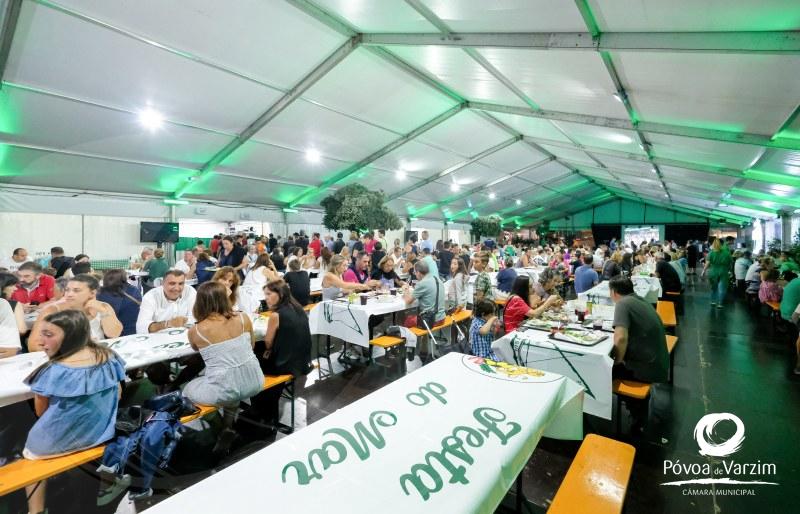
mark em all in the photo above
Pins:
pixel 671 366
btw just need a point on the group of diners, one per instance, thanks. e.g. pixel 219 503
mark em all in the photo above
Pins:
pixel 77 391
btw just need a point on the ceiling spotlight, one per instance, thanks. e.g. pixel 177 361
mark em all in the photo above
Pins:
pixel 313 155
pixel 617 97
pixel 151 119
pixel 723 204
pixel 454 187
pixel 191 178
pixel 492 195
pixel 653 169
pixel 519 202
pixel 400 175
pixel 620 138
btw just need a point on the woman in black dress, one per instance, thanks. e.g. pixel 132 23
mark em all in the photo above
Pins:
pixel 286 349
pixel 691 256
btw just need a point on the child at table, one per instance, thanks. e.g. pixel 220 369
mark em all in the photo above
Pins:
pixel 481 332
pixel 76 394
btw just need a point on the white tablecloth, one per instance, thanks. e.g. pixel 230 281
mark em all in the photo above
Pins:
pixel 450 437
pixel 589 366
pixel 648 288
pixel 137 350
pixel 350 321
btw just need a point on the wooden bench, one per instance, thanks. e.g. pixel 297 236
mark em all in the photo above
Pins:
pixel 672 341
pixel 666 311
pixel 629 389
pixel 597 479
pixel 387 343
pixel 24 472
pixel 677 298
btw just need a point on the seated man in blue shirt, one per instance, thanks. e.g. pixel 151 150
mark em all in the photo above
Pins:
pixel 506 278
pixel 585 276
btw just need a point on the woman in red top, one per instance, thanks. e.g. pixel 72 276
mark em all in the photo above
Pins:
pixel 520 305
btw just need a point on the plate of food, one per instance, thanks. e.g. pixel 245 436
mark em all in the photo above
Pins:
pixel 580 336
pixel 540 324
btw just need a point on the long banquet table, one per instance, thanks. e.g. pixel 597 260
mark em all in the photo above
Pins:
pixel 449 437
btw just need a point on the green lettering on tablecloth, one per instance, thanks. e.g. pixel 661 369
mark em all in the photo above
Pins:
pixel 421 398
pixel 426 479
pixel 359 445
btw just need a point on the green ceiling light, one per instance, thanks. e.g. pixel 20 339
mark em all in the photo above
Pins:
pixel 751 207
pixel 768 176
pixel 290 210
pixel 757 195
pixel 175 201
pixel 413 218
pixel 474 214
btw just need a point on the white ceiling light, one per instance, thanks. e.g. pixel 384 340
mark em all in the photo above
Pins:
pixel 151 119
pixel 313 155
pixel 617 97
pixel 492 195
pixel 454 187
pixel 401 174
pixel 653 169
pixel 620 138
pixel 723 204
pixel 519 202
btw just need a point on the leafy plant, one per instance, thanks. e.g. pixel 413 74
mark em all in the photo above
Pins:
pixel 354 207
pixel 488 226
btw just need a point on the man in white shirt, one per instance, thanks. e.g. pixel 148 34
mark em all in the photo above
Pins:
pixel 17 259
pixel 167 306
pixel 426 243
pixel 188 264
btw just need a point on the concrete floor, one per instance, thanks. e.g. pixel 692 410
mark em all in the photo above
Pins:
pixel 726 361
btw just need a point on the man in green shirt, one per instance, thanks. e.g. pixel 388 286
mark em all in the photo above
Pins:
pixel 157 267
pixel 791 299
pixel 483 282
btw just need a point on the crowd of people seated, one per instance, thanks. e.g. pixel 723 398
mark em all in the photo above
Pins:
pixel 78 306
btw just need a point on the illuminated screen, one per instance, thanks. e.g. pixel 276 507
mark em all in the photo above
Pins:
pixel 642 234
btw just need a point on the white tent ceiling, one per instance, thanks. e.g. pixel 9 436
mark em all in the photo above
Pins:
pixel 532 109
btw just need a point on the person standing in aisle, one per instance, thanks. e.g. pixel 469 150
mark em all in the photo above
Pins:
pixel 718 265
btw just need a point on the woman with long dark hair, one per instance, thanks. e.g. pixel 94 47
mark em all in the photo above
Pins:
pixel 76 393
pixel 286 348
pixel 123 297
pixel 228 277
pixel 524 303
pixel 8 284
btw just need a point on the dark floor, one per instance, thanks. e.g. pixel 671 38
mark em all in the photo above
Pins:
pixel 728 360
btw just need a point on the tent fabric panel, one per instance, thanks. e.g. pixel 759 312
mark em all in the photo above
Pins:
pixel 304 125
pixel 601 137
pixel 31 167
pixel 684 16
pixel 366 86
pixel 378 16
pixel 559 80
pixel 711 90
pixel 465 134
pixel 215 34
pixel 459 72
pixel 508 16
pixel 37 119
pixel 513 158
pixel 63 54
pixel 702 151
pixel 261 160
pixel 417 160
pixel 535 128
